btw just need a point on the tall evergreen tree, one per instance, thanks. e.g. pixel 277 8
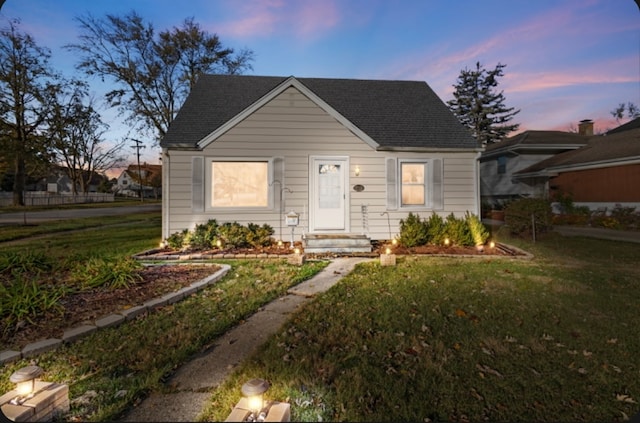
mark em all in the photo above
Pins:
pixel 480 107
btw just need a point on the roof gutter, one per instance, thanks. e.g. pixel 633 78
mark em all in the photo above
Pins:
pixel 555 170
pixel 430 149
pixel 514 148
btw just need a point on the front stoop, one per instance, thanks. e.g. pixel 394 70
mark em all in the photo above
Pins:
pixel 336 243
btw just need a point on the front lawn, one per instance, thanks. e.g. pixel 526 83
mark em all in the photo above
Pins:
pixel 440 339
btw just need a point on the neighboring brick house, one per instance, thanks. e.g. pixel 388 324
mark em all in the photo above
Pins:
pixel 146 178
pixel 602 174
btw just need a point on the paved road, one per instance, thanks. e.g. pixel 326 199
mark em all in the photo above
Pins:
pixel 31 217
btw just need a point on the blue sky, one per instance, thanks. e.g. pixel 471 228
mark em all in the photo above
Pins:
pixel 566 60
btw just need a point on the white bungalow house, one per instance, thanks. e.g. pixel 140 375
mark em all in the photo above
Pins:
pixel 345 158
pixel 135 180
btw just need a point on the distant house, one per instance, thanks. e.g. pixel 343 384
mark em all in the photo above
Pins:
pixel 348 157
pixel 602 174
pixel 501 161
pixel 134 181
pixel 58 182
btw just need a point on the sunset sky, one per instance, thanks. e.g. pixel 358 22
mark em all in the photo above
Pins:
pixel 565 60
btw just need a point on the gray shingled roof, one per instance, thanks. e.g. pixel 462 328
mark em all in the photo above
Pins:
pixel 537 139
pixel 617 147
pixel 632 124
pixel 395 114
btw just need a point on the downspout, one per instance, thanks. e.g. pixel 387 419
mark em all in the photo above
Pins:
pixel 165 194
pixel 477 185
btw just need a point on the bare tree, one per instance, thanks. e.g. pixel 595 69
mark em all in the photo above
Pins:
pixel 632 111
pixel 76 132
pixel 28 88
pixel 153 73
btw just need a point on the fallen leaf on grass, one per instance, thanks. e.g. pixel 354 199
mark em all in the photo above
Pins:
pixel 476 395
pixel 486 369
pixel 625 398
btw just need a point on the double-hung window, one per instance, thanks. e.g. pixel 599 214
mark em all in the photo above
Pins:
pixel 414 184
pixel 413 187
pixel 502 164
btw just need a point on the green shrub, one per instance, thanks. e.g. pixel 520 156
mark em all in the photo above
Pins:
pixel 458 231
pixel 197 239
pixel 627 217
pixel 206 235
pixel 177 239
pixel 259 236
pixel 436 229
pixel 110 272
pixel 24 262
pixel 479 232
pixel 413 231
pixel 233 235
pixel 518 216
pixel 22 300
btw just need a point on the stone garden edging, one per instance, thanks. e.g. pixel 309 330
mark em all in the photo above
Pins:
pixel 79 332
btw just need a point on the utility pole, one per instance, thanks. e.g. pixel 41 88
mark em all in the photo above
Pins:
pixel 138 146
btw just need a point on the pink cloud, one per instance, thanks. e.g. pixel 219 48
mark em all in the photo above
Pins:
pixel 268 17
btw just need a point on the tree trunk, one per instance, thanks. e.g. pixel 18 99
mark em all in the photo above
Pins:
pixel 19 182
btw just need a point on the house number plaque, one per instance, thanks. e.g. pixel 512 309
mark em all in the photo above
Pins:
pixel 358 188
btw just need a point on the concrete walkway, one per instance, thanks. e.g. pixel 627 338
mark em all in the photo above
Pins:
pixel 192 383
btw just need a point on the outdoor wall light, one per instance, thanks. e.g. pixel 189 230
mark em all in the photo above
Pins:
pixel 25 380
pixel 357 172
pixel 254 391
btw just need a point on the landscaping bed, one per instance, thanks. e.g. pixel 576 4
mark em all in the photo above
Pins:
pixel 92 304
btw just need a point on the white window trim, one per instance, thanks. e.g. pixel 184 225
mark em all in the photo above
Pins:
pixel 428 184
pixel 208 181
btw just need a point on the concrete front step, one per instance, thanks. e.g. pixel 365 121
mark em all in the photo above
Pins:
pixel 336 243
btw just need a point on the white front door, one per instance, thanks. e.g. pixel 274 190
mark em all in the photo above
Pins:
pixel 328 193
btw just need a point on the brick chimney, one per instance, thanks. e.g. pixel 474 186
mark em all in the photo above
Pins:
pixel 585 127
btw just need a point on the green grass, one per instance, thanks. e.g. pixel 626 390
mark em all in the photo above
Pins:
pixel 118 202
pixel 136 357
pixel 431 339
pixel 439 339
